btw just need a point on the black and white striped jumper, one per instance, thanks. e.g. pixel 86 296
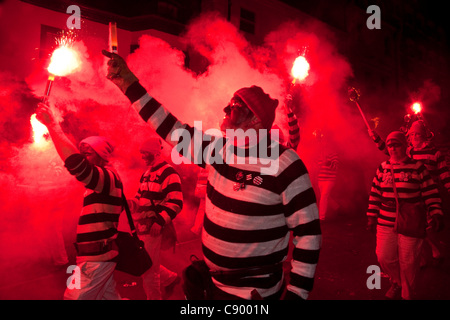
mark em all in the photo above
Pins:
pixel 102 205
pixel 160 189
pixel 413 183
pixel 249 216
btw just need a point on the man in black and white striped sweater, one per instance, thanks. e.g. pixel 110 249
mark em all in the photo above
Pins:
pixel 250 209
pixel 99 217
pixel 157 202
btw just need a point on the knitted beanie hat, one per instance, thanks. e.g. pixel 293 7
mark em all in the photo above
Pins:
pixel 397 136
pixel 418 127
pixel 260 103
pixel 152 145
pixel 101 145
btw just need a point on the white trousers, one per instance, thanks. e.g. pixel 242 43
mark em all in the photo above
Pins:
pixel 325 187
pixel 96 282
pixel 398 256
pixel 157 275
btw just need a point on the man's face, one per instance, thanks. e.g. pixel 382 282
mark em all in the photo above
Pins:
pixel 91 155
pixel 397 151
pixel 236 114
pixel 148 157
pixel 416 139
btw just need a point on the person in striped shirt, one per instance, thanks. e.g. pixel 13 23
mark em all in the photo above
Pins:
pixel 293 127
pixel 250 211
pixel 398 254
pixel 422 148
pixel 99 218
pixel 157 202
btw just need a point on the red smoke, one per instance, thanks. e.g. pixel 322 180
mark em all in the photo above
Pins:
pixel 88 104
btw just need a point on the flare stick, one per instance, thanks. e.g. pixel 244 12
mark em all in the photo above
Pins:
pixel 113 37
pixel 48 88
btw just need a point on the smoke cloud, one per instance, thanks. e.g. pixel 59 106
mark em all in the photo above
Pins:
pixel 40 194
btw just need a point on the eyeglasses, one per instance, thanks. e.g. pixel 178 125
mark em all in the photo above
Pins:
pixel 236 104
pixel 394 145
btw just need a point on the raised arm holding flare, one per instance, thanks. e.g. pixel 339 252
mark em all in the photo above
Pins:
pixel 249 211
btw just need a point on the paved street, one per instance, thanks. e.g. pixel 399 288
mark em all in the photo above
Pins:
pixel 348 250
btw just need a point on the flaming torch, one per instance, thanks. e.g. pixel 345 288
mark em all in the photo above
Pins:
pixel 353 95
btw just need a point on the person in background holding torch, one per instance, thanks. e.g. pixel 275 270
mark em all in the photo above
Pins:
pixel 398 180
pixel 293 127
pixel 299 72
pixel 102 205
pixel 422 148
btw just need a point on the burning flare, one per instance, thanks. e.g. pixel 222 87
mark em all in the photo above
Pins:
pixel 300 69
pixel 39 131
pixel 416 107
pixel 64 61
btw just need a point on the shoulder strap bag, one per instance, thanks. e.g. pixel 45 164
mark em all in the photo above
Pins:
pixel 411 217
pixel 133 257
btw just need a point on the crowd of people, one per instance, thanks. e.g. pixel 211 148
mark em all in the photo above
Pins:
pixel 248 217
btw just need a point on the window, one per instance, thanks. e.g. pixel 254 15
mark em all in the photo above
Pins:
pixel 48 40
pixel 167 10
pixel 247 21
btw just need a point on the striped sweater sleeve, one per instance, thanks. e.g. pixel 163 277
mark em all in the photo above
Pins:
pixel 301 213
pixel 152 112
pixel 443 170
pixel 102 205
pixel 95 178
pixel 429 191
pixel 375 195
pixel 294 130
pixel 172 203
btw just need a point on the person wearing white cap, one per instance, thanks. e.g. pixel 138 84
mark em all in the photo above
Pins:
pixel 99 217
pixel 157 202
pixel 397 180
pixel 250 212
